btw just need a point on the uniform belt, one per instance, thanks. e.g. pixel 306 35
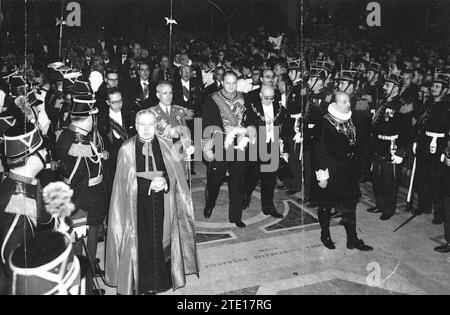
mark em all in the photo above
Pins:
pixel 95 181
pixel 387 138
pixel 433 144
pixel 435 134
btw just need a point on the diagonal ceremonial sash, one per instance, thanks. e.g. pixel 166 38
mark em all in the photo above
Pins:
pixel 119 129
pixel 229 117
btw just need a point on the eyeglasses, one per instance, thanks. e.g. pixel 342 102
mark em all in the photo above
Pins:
pixel 113 80
pixel 146 125
pixel 268 98
pixel 116 102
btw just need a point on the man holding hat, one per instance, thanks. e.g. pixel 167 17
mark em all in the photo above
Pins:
pixel 430 144
pixel 81 168
pixel 20 192
pixel 388 146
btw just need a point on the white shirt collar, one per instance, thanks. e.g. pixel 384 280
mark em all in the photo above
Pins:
pixel 333 112
pixel 165 108
pixel 186 84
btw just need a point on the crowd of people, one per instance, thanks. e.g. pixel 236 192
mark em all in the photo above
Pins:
pixel 109 119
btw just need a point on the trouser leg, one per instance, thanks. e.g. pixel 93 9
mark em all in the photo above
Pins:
pixel 236 190
pixel 447 218
pixel 378 186
pixel 252 176
pixel 268 183
pixel 390 171
pixel 349 220
pixel 307 174
pixel 324 215
pixel 215 175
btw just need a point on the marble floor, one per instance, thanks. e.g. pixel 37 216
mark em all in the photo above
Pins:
pixel 285 257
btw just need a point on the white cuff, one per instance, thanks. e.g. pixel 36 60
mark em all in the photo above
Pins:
pixel 322 175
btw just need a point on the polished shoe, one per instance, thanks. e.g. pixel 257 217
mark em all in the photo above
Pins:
pixel 443 249
pixel 328 243
pixel 291 192
pixel 437 221
pixel 240 224
pixel 359 245
pixel 373 210
pixel 207 212
pixel 152 292
pixel 385 217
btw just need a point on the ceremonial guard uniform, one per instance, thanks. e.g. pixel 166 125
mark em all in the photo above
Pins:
pixel 388 147
pixel 432 137
pixel 292 131
pixel 445 184
pixel 6 121
pixel 21 205
pixel 367 99
pixel 81 168
pixel 315 108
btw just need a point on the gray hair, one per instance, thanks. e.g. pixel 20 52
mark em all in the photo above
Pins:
pixel 160 85
pixel 143 112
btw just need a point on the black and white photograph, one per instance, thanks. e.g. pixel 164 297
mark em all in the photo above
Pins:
pixel 224 153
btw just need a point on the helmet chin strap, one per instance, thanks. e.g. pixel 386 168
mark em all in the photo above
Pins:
pixel 314 85
pixel 41 158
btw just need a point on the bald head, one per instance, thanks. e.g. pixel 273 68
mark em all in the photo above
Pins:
pixel 267 95
pixel 342 102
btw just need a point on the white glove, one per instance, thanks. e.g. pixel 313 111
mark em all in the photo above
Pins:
pixel 298 138
pixel 190 150
pixel 158 184
pixel 397 160
pixel 286 157
pixel 323 184
pixel 209 154
pixel 414 148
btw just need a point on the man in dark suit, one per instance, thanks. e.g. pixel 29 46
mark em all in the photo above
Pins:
pixel 267 79
pixel 122 61
pixel 115 125
pixel 265 114
pixel 186 91
pixel 217 85
pixel 141 89
pixel 112 80
pixel 164 72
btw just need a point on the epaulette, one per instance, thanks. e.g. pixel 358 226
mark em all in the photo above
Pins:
pixel 80 150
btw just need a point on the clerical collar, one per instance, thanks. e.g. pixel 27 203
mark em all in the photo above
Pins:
pixel 145 141
pixel 341 116
pixel 19 178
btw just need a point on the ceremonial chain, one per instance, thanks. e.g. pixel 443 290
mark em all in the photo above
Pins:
pixel 263 118
pixel 346 128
